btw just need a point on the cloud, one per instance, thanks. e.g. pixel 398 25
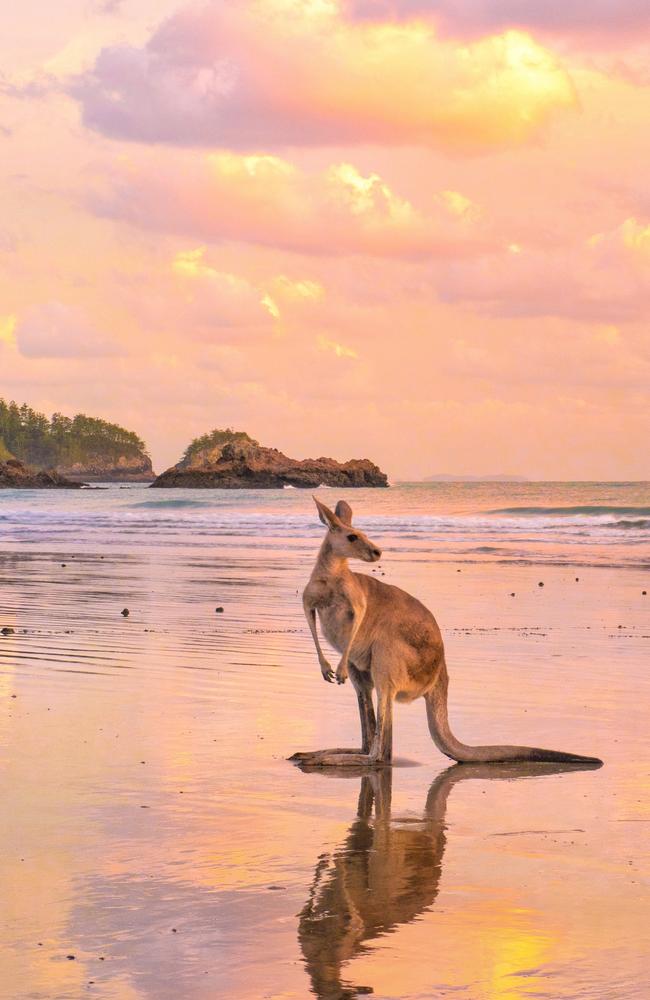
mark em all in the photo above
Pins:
pixel 475 17
pixel 7 328
pixel 8 242
pixel 339 350
pixel 275 72
pixel 193 303
pixel 212 300
pixel 268 201
pixel 32 88
pixel 605 280
pixel 109 6
pixel 57 330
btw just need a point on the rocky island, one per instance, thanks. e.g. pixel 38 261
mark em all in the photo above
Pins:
pixel 15 475
pixel 80 448
pixel 233 460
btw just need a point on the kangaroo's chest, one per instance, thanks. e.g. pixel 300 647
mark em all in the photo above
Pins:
pixel 336 622
pixel 334 605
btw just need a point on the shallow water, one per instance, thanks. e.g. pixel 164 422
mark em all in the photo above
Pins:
pixel 153 829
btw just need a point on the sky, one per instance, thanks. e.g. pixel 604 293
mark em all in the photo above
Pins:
pixel 416 231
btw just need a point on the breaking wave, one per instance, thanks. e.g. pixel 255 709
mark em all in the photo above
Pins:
pixel 589 510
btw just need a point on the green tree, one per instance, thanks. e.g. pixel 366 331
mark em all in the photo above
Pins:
pixel 31 437
pixel 216 439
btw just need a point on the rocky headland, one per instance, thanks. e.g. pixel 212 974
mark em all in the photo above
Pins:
pixel 123 469
pixel 15 475
pixel 233 460
pixel 80 448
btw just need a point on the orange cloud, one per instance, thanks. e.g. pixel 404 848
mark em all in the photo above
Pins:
pixel 268 201
pixel 274 72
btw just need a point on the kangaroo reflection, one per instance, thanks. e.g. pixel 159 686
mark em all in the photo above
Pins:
pixel 385 874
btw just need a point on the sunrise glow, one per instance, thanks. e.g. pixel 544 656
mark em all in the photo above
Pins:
pixel 420 207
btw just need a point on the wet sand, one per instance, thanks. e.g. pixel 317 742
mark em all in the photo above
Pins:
pixel 153 830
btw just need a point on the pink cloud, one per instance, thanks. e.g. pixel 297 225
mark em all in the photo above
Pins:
pixel 269 201
pixel 607 279
pixel 606 18
pixel 57 330
pixel 278 72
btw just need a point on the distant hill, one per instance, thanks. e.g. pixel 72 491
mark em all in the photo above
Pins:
pixel 232 460
pixel 444 477
pixel 79 448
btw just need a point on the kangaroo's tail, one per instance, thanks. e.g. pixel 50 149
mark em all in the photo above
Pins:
pixel 444 739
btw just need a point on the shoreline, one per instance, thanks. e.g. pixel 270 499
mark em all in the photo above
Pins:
pixel 174 849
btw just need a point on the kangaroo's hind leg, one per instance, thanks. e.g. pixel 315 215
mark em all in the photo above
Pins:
pixel 381 747
pixel 362 683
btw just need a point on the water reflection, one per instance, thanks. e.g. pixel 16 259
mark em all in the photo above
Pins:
pixel 385 874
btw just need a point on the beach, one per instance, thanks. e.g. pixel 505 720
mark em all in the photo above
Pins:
pixel 157 843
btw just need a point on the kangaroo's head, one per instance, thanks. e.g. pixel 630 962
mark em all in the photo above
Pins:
pixel 346 542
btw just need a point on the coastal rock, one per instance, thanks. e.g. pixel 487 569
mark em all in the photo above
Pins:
pixel 241 463
pixel 125 469
pixel 16 475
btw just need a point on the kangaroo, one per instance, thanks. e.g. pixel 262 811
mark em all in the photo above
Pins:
pixel 390 643
pixel 385 873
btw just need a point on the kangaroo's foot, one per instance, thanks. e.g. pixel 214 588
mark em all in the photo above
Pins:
pixel 347 758
pixel 311 756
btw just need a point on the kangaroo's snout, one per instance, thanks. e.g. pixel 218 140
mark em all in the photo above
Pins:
pixel 372 554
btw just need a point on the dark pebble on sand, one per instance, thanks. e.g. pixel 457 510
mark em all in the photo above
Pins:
pixel 512 594
pixel 219 610
pixel 644 592
pixel 9 631
pixel 541 583
pixel 125 612
pixel 577 578
pixel 64 565
pixel 70 958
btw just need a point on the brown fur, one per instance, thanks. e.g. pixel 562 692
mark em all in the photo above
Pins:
pixel 395 647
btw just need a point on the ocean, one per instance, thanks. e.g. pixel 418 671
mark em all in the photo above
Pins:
pixel 593 524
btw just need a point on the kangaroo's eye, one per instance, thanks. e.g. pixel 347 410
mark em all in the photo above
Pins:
pixel 352 538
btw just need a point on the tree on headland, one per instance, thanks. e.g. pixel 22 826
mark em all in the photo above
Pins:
pixel 216 439
pixel 62 441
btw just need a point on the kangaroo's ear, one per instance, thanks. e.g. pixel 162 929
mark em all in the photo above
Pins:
pixel 327 516
pixel 344 512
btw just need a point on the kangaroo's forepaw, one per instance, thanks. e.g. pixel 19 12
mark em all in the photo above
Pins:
pixel 327 672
